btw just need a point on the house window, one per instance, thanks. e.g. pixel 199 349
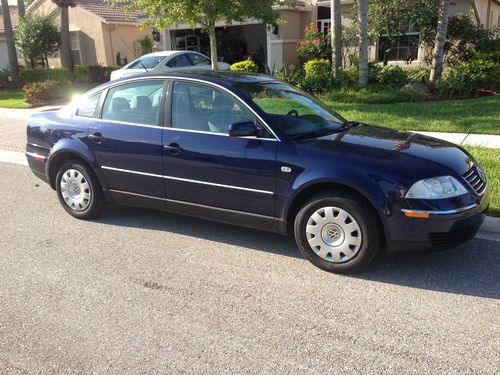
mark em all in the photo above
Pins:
pixel 75 48
pixel 404 46
pixel 324 26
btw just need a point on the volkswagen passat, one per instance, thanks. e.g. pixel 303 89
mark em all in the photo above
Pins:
pixel 253 151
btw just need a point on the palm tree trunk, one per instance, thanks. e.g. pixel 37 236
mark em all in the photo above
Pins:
pixel 363 42
pixel 336 33
pixel 9 38
pixel 438 52
pixel 66 60
pixel 21 10
pixel 213 45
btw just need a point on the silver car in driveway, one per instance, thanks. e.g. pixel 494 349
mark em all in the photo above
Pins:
pixel 166 61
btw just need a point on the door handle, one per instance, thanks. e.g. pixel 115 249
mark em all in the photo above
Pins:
pixel 96 137
pixel 173 148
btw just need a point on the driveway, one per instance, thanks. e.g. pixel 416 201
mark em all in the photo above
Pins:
pixel 139 291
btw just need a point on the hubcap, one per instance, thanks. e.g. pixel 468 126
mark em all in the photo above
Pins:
pixel 333 234
pixel 75 190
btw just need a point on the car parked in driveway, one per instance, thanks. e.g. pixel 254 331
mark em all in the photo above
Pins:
pixel 251 150
pixel 165 61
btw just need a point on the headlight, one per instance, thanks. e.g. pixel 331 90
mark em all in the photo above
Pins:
pixel 436 188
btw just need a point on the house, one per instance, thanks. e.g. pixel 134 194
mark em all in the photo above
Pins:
pixel 4 57
pixel 100 33
pixel 278 43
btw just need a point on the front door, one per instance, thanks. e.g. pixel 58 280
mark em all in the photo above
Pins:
pixel 127 138
pixel 204 165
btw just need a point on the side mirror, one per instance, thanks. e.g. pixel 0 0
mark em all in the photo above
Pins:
pixel 243 129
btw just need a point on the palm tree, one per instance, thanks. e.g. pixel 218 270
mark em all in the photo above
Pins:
pixel 11 45
pixel 66 60
pixel 336 34
pixel 21 10
pixel 438 52
pixel 363 42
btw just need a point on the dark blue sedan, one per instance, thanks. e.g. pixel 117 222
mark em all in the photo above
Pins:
pixel 253 151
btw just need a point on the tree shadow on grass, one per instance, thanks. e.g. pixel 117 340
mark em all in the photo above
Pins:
pixel 470 269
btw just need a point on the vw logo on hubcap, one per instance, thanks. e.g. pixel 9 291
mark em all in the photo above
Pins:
pixel 333 234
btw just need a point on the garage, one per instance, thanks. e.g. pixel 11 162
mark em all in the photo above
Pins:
pixel 234 43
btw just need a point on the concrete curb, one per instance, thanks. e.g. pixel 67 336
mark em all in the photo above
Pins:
pixel 490 230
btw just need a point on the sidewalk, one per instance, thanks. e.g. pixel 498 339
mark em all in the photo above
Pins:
pixel 483 140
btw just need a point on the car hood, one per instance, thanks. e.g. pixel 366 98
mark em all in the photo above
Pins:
pixel 406 152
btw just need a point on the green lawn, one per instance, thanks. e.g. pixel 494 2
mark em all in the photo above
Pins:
pixel 489 159
pixel 459 116
pixel 13 97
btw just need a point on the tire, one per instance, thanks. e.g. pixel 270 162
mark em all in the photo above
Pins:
pixel 338 232
pixel 79 190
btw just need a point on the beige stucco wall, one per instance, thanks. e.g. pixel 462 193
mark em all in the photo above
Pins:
pixel 121 39
pixel 99 42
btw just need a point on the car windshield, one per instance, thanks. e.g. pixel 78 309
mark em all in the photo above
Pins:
pixel 293 111
pixel 148 62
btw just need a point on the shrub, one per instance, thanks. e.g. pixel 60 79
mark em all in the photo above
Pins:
pixel 314 46
pixel 374 70
pixel 317 83
pixel 292 74
pixel 488 67
pixel 392 75
pixel 317 67
pixel 461 81
pixel 349 77
pixel 244 66
pixel 4 77
pixel 92 73
pixel 29 75
pixel 418 74
pixel 39 92
pixel 464 80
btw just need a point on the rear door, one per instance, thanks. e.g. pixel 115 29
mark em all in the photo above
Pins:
pixel 204 165
pixel 126 138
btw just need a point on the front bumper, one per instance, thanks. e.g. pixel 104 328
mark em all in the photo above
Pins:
pixel 439 231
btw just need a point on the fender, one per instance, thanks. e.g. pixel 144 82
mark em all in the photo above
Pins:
pixel 77 147
pixel 366 185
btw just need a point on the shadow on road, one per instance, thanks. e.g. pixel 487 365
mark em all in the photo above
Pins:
pixel 471 269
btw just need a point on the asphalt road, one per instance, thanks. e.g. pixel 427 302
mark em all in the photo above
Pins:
pixel 140 291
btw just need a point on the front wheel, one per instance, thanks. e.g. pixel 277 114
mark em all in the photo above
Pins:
pixel 337 232
pixel 79 190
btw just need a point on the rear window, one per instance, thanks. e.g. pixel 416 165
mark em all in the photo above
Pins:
pixel 148 62
pixel 89 106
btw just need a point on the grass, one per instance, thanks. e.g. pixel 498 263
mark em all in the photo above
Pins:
pixel 14 98
pixel 480 116
pixel 489 159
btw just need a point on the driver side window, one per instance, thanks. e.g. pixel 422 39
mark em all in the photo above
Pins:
pixel 204 108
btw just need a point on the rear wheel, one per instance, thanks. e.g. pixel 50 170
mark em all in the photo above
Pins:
pixel 79 190
pixel 337 232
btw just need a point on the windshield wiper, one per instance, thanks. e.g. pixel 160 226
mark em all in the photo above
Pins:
pixel 316 133
pixel 347 125
pixel 312 134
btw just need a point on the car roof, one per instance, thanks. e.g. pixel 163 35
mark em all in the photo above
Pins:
pixel 226 78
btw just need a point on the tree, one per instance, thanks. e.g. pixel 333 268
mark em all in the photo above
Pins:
pixel 203 13
pixel 363 42
pixel 336 34
pixel 21 10
pixel 37 36
pixel 388 19
pixel 11 45
pixel 66 59
pixel 437 59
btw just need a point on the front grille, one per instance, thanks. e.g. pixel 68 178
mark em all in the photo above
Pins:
pixel 476 179
pixel 451 239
